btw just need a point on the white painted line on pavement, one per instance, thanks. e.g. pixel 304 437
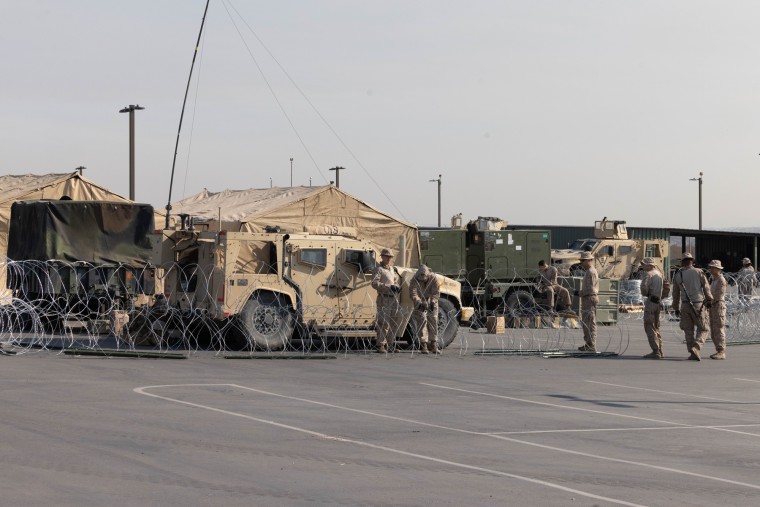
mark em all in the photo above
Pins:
pixel 142 390
pixel 597 456
pixel 687 395
pixel 652 428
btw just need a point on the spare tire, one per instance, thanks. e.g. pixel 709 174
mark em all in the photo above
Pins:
pixel 520 301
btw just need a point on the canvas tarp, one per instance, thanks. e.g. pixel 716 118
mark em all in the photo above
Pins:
pixel 115 233
pixel 46 186
pixel 303 209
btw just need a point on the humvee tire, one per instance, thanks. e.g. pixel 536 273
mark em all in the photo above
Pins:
pixel 267 321
pixel 447 323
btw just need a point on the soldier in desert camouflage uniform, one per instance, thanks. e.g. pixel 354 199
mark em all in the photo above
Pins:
pixel 651 290
pixel 746 278
pixel 718 309
pixel 589 294
pixel 548 283
pixel 425 292
pixel 691 284
pixel 386 282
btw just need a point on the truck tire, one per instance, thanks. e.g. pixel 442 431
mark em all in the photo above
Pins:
pixel 447 323
pixel 519 301
pixel 267 321
pixel 447 326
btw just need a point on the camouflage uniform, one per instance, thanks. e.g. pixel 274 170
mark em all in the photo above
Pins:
pixel 589 299
pixel 693 283
pixel 651 289
pixel 718 313
pixel 388 307
pixel 425 292
pixel 746 280
pixel 549 285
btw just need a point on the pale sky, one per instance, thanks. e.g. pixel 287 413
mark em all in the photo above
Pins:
pixel 555 112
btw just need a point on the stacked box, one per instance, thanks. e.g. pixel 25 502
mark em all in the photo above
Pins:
pixel 495 324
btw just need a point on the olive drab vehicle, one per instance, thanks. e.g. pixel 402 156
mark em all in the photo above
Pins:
pixel 616 256
pixel 274 287
pixel 497 266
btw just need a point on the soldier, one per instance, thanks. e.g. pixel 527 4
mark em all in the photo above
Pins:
pixel 718 309
pixel 548 284
pixel 425 292
pixel 746 279
pixel 691 283
pixel 651 290
pixel 589 299
pixel 386 282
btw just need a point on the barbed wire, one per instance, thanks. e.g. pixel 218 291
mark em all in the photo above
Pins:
pixel 60 305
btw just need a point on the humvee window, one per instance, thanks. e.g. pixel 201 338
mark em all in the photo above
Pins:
pixel 364 261
pixel 314 256
pixel 625 249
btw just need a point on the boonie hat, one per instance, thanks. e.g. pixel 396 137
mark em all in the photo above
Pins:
pixel 687 255
pixel 647 261
pixel 386 253
pixel 715 263
pixel 746 261
pixel 587 256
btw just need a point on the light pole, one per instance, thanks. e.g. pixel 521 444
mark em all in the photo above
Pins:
pixel 131 110
pixel 337 170
pixel 439 198
pixel 700 197
pixel 291 171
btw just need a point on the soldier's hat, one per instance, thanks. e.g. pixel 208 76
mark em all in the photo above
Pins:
pixel 386 253
pixel 746 261
pixel 587 256
pixel 687 255
pixel 648 261
pixel 715 263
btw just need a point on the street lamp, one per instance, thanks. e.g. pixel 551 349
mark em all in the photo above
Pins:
pixel 131 110
pixel 439 198
pixel 337 175
pixel 700 197
pixel 291 171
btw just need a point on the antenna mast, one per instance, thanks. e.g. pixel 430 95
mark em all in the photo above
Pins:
pixel 182 114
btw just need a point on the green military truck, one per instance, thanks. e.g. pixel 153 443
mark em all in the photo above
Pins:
pixel 496 266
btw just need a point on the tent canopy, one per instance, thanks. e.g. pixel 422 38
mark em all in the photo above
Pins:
pixel 302 209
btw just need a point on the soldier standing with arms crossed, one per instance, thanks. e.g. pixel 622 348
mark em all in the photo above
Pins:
pixel 718 309
pixel 425 293
pixel 589 300
pixel 651 289
pixel 386 282
pixel 691 284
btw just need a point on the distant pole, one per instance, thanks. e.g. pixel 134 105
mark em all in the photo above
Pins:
pixel 80 169
pixel 337 170
pixel 131 110
pixel 310 181
pixel 439 198
pixel 700 197
pixel 291 171
pixel 270 182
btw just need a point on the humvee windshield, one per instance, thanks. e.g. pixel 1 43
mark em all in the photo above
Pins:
pixel 583 244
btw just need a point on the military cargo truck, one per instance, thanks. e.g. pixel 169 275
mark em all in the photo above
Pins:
pixel 496 266
pixel 616 256
pixel 273 287
pixel 79 260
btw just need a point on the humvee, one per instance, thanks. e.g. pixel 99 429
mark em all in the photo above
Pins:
pixel 615 255
pixel 274 287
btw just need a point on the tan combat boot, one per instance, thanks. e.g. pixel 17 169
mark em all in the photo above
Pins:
pixel 423 348
pixel 721 354
pixel 381 349
pixel 432 347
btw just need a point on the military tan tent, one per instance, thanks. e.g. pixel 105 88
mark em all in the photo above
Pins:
pixel 324 209
pixel 43 186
